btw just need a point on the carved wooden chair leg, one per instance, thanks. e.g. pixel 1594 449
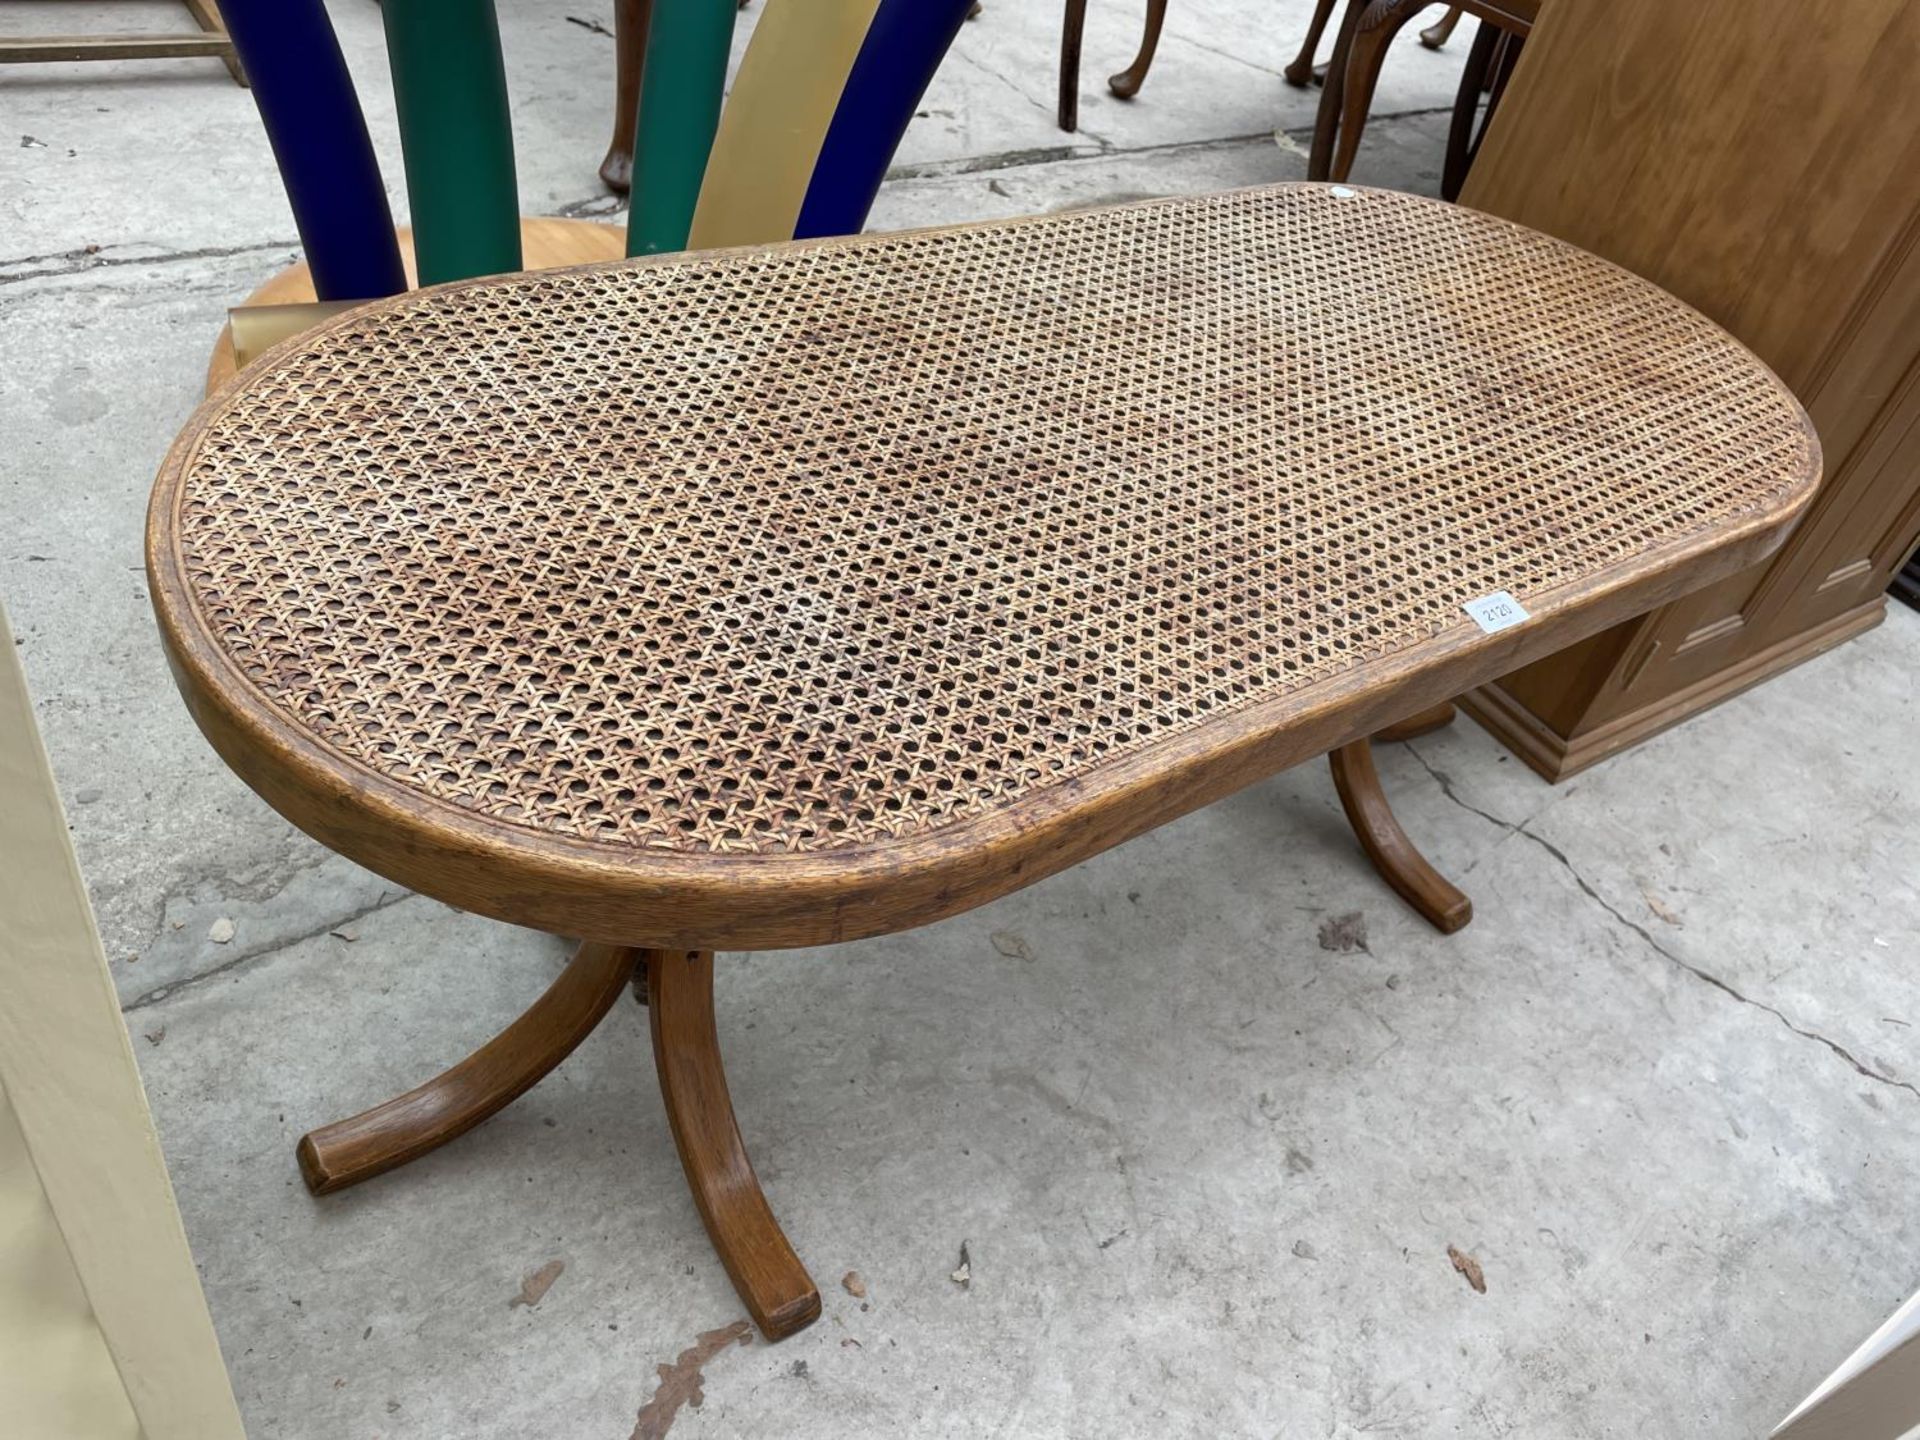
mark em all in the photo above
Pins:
pixel 1400 864
pixel 1299 74
pixel 778 1292
pixel 1382 20
pixel 1128 82
pixel 1437 34
pixel 487 1081
pixel 1073 25
pixel 1427 721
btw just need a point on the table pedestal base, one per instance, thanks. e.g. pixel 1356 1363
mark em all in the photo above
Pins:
pixel 677 986
pixel 778 1292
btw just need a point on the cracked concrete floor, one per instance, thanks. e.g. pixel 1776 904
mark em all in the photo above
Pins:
pixel 1207 1171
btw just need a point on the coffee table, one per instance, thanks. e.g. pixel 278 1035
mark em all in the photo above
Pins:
pixel 783 596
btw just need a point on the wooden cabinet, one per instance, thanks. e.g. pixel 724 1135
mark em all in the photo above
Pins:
pixel 1760 159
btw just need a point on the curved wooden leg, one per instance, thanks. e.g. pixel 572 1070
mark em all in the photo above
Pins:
pixel 1441 31
pixel 1128 82
pixel 1365 57
pixel 1387 846
pixel 1424 723
pixel 630 21
pixel 1073 25
pixel 1326 124
pixel 778 1292
pixel 487 1081
pixel 1300 73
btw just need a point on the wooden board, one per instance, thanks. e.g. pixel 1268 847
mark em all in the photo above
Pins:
pixel 1761 159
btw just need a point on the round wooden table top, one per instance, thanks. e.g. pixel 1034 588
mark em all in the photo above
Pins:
pixel 776 596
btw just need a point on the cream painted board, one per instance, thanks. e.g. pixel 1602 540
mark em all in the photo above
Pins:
pixel 87 1138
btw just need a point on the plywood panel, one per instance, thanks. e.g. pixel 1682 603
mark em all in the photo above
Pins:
pixel 1761 159
pixel 69 1076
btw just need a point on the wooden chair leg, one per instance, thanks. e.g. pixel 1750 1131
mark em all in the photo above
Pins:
pixel 777 1290
pixel 487 1081
pixel 1506 54
pixel 630 21
pixel 1300 73
pixel 1437 34
pixel 1424 723
pixel 1128 82
pixel 1466 110
pixel 1400 864
pixel 1326 125
pixel 1073 25
pixel 206 14
pixel 1365 57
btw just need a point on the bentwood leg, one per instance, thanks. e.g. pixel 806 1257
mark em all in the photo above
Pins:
pixel 1128 82
pixel 778 1292
pixel 1400 864
pixel 493 1077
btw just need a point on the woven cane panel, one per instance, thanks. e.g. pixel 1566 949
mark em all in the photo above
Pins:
pixel 798 549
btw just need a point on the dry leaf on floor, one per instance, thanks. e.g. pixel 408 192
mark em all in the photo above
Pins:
pixel 1344 933
pixel 1469 1267
pixel 854 1285
pixel 534 1288
pixel 680 1383
pixel 1011 945
pixel 1662 909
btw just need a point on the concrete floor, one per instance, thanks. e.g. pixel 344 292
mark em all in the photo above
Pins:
pixel 1207 1169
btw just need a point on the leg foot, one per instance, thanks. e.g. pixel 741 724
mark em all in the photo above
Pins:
pixel 777 1290
pixel 1441 31
pixel 1299 74
pixel 1128 82
pixel 487 1081
pixel 1400 864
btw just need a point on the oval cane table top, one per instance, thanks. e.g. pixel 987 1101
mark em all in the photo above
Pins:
pixel 775 596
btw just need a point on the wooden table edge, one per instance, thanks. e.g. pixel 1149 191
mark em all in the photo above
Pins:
pixel 623 894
